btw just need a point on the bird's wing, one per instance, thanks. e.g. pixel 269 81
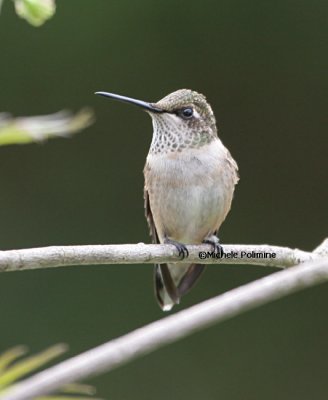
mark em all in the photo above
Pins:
pixel 150 219
pixel 162 277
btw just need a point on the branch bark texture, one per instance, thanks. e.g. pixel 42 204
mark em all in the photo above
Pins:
pixel 60 256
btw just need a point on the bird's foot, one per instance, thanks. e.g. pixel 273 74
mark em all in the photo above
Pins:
pixel 214 241
pixel 182 249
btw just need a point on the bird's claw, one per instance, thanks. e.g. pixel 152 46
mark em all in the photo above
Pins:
pixel 182 249
pixel 214 241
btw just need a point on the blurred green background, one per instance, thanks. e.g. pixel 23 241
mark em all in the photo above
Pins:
pixel 263 67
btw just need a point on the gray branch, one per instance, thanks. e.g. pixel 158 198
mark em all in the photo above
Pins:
pixel 172 328
pixel 60 256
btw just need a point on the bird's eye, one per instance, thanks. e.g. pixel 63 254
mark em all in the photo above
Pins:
pixel 187 112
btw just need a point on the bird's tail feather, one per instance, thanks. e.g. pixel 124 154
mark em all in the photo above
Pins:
pixel 173 281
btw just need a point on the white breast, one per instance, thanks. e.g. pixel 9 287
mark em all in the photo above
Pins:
pixel 190 191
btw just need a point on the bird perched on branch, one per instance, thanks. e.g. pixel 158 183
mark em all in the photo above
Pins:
pixel 189 183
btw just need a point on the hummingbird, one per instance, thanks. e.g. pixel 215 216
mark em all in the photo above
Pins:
pixel 190 178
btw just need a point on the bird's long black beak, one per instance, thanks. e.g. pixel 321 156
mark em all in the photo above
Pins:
pixel 143 104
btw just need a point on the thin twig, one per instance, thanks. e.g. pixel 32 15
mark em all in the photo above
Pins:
pixel 170 329
pixel 60 256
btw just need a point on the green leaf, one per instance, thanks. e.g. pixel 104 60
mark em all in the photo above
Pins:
pixel 79 388
pixel 9 374
pixel 23 130
pixel 11 355
pixel 35 12
pixel 29 364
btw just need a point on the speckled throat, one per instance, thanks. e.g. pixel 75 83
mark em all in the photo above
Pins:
pixel 173 135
